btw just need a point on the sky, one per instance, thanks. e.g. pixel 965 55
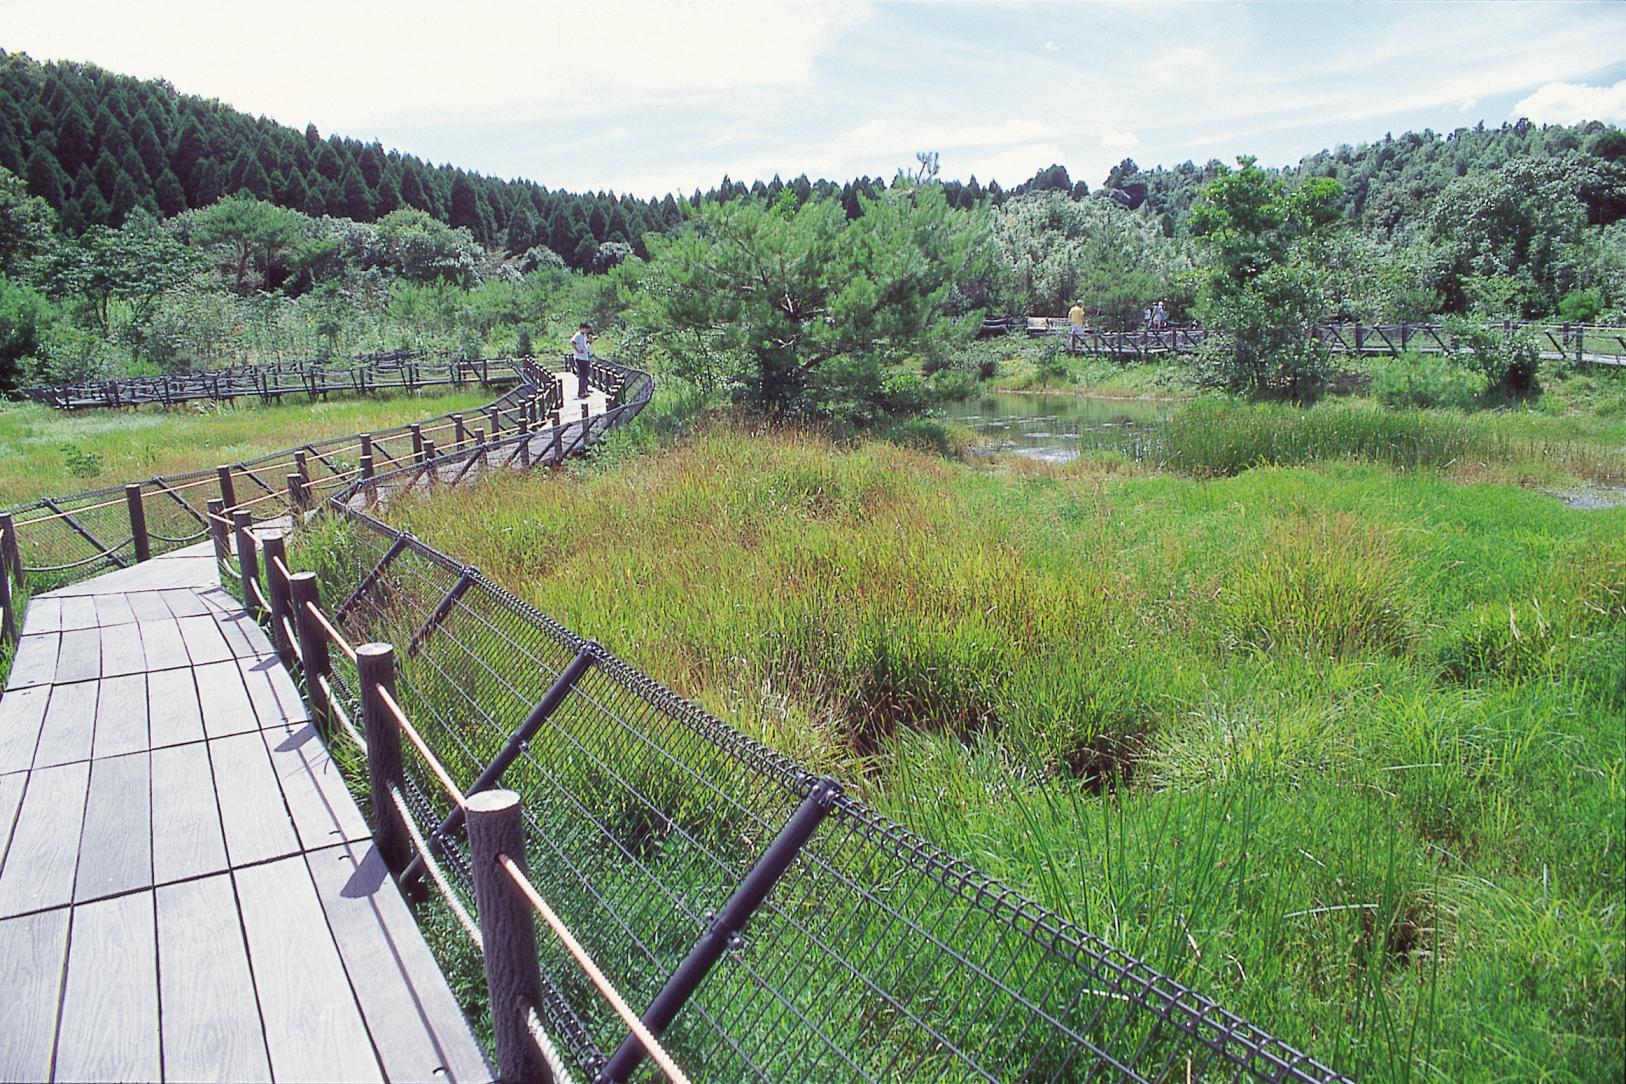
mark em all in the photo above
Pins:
pixel 666 96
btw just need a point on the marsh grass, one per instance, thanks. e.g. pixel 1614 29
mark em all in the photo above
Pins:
pixel 45 452
pixel 1275 732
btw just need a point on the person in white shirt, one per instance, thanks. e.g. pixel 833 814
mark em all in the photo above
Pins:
pixel 582 357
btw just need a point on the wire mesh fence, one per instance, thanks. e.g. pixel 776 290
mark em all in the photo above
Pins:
pixel 64 539
pixel 406 369
pixel 875 956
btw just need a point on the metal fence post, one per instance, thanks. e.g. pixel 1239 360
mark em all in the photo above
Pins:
pixel 138 522
pixel 215 508
pixel 375 666
pixel 303 594
pixel 247 562
pixel 508 934
pixel 14 556
pixel 228 492
pixel 276 587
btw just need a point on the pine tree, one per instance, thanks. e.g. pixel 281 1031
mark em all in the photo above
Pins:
pixel 168 192
pixel 206 183
pixel 74 144
pixel 521 231
pixel 465 210
pixel 45 177
pixel 412 190
pixel 355 202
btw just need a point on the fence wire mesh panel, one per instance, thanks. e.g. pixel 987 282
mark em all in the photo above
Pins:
pixel 875 957
pixel 64 539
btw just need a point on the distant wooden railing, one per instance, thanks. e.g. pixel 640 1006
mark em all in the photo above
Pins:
pixel 1584 344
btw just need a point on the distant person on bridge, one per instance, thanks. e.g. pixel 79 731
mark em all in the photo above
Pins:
pixel 582 357
pixel 1075 329
pixel 1160 316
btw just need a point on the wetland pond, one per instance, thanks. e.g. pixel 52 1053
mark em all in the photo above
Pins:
pixel 1053 428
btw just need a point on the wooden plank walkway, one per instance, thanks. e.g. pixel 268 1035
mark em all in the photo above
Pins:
pixel 187 890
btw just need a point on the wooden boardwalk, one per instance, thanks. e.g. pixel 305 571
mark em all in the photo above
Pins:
pixel 187 890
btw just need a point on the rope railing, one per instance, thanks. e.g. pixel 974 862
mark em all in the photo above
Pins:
pixel 606 989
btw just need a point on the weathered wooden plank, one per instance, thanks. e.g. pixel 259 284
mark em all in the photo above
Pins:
pixel 204 641
pixel 32 952
pixel 70 723
pixel 115 846
pixel 226 706
pixel 147 606
pixel 80 657
pixel 419 1028
pixel 174 715
pixel 121 716
pixel 187 840
pixel 244 636
pixel 276 699
pixel 251 809
pixel 109 1028
pixel 39 866
pixel 113 610
pixel 22 711
pixel 323 811
pixel 211 1018
pixel 313 1028
pixel 162 644
pixel 78 613
pixel 122 652
pixel 184 603
pixel 35 660
pixel 11 799
pixel 44 615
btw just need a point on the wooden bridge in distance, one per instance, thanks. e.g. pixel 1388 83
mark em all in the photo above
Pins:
pixel 187 890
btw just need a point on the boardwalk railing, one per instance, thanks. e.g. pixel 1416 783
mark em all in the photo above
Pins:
pixel 405 369
pixel 58 540
pixel 766 925
pixel 1582 344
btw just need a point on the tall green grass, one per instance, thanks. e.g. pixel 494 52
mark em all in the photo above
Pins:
pixel 1214 437
pixel 1339 746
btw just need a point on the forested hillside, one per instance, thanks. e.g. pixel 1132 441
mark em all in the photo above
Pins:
pixel 145 229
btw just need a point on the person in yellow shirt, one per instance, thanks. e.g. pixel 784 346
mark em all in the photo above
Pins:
pixel 1075 329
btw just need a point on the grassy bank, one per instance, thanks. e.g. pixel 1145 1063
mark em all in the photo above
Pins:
pixel 1340 746
pixel 45 452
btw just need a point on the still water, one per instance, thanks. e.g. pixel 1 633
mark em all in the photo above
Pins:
pixel 1052 427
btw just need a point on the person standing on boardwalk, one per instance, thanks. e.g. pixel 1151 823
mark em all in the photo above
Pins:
pixel 582 357
pixel 1075 326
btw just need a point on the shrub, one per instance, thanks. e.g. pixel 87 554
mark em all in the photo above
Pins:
pixel 1581 306
pixel 1424 380
pixel 1507 357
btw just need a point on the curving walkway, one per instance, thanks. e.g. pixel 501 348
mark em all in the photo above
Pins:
pixel 187 890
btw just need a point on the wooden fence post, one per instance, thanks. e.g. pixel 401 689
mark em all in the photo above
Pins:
pixel 247 561
pixel 375 665
pixel 216 510
pixel 507 933
pixel 459 432
pixel 14 556
pixel 495 417
pixel 228 492
pixel 296 492
pixel 304 593
pixel 525 440
pixel 8 616
pixel 138 522
pixel 417 443
pixel 276 589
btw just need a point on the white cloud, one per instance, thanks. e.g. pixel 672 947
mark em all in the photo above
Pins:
pixel 1570 103
pixel 361 64
pixel 1051 47
pixel 1015 165
pixel 1467 104
pixel 1114 140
